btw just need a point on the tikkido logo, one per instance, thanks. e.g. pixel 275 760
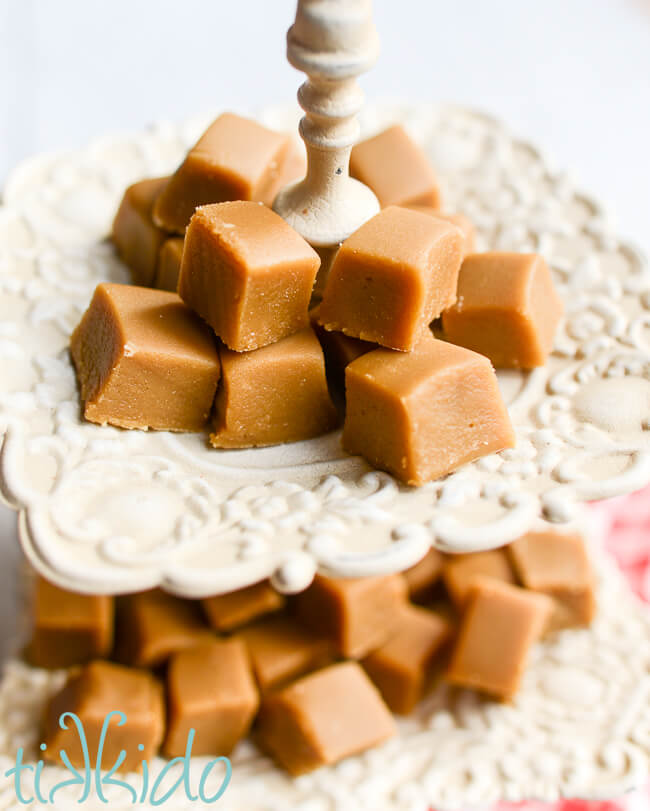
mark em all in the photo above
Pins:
pixel 91 774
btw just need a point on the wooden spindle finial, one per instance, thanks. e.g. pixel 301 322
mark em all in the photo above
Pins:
pixel 332 41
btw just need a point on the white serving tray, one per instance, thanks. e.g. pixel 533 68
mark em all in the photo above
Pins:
pixel 103 509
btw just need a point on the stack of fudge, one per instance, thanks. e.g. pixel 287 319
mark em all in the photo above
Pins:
pixel 223 326
pixel 315 677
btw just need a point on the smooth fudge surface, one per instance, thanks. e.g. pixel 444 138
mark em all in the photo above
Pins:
pixel 68 628
pixel 152 625
pixel 557 565
pixel 460 572
pixel 323 718
pixel 225 612
pixel 169 264
pixel 93 692
pixel 357 613
pixel 135 235
pixel 404 668
pixel 276 394
pixel 144 360
pixel 280 650
pixel 235 159
pixel 507 309
pixel 247 273
pixel 392 277
pixel 396 169
pixel 421 415
pixel 500 624
pixel 423 578
pixel 211 689
pixel 457 219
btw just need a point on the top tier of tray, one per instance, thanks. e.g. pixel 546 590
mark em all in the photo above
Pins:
pixel 113 511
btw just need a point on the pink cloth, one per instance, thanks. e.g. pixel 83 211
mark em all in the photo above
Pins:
pixel 626 521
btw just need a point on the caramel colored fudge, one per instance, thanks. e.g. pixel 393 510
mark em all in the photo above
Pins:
pixel 392 277
pixel 136 237
pixel 459 220
pixel 276 394
pixel 461 572
pixel 280 650
pixel 423 578
pixel 169 264
pixel 507 309
pixel 358 614
pixel 152 625
pixel 323 718
pixel 500 624
pixel 225 612
pixel 211 690
pixel 144 360
pixel 247 273
pixel 423 414
pixel 396 169
pixel 234 159
pixel 98 689
pixel 68 628
pixel 557 565
pixel 405 667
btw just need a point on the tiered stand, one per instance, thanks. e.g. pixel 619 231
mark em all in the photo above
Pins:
pixel 104 510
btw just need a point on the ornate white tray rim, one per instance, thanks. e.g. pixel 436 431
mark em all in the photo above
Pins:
pixel 579 727
pixel 109 510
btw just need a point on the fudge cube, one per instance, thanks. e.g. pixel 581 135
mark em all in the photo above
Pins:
pixel 280 650
pixel 500 624
pixel 136 237
pixel 423 414
pixel 557 565
pixel 273 395
pixel 93 692
pixel 392 277
pixel 323 718
pixel 247 273
pixel 169 264
pixel 211 690
pixel 153 625
pixel 457 219
pixel 405 667
pixel 144 360
pixel 395 168
pixel 357 613
pixel 461 572
pixel 507 309
pixel 225 612
pixel 234 159
pixel 68 628
pixel 423 578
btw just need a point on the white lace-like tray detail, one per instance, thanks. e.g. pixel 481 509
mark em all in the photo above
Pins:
pixel 579 727
pixel 111 510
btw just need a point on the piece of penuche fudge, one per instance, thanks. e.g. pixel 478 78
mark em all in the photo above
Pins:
pixel 135 234
pixel 144 360
pixel 247 273
pixel 235 159
pixel 422 414
pixel 276 394
pixel 395 168
pixel 392 277
pixel 507 309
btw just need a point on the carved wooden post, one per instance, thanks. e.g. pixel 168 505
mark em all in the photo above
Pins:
pixel 332 41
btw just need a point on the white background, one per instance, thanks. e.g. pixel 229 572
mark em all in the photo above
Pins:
pixel 574 75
